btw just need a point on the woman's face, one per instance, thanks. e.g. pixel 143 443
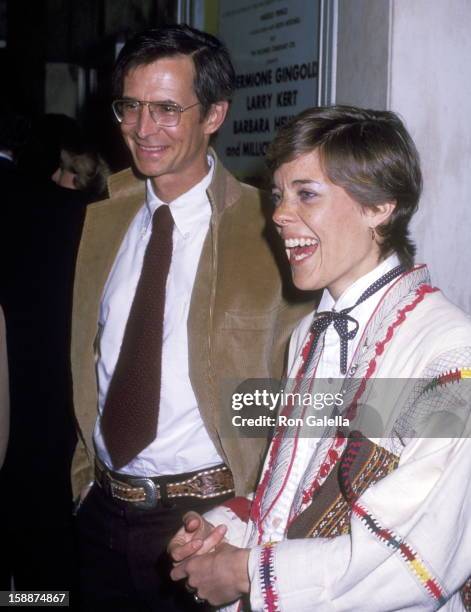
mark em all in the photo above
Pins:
pixel 327 235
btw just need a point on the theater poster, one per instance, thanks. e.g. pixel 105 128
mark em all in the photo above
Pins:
pixel 275 46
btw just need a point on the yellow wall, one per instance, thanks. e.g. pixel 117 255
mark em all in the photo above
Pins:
pixel 211 8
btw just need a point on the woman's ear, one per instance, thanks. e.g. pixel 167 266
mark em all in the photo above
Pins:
pixel 379 214
pixel 215 116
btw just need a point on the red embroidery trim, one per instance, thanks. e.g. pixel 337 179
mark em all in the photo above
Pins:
pixel 268 579
pixel 256 505
pixel 421 292
pixel 449 377
pixel 324 469
pixel 240 506
pixel 352 449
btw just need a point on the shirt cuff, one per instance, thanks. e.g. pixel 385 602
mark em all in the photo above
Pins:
pixel 236 528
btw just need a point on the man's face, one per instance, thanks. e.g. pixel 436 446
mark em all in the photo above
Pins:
pixel 174 157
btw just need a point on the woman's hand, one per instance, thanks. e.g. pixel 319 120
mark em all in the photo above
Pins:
pixel 191 539
pixel 219 577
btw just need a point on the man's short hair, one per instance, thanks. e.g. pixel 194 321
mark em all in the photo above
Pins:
pixel 214 72
pixel 368 153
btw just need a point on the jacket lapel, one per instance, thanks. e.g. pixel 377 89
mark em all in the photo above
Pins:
pixel 222 193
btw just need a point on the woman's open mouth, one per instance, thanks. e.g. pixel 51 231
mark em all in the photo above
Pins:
pixel 299 249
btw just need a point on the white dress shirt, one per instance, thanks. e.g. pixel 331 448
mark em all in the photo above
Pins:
pixel 182 443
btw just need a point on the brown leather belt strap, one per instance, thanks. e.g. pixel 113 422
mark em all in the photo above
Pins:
pixel 145 492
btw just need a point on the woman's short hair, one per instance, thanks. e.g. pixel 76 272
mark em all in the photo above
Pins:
pixel 90 169
pixel 214 73
pixel 368 153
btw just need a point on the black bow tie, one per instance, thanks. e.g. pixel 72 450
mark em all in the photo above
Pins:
pixel 340 319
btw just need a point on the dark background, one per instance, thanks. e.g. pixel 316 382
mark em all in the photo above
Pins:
pixel 81 33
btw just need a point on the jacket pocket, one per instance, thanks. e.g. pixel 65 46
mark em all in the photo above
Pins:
pixel 249 321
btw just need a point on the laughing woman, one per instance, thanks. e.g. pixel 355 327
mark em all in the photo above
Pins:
pixel 370 517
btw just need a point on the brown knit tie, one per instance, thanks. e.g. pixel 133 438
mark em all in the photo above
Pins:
pixel 129 421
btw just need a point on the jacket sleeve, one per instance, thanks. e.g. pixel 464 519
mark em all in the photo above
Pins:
pixel 408 548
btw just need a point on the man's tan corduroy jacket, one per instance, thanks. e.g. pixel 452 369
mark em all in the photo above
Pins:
pixel 238 324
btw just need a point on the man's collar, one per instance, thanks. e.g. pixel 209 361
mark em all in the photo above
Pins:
pixel 189 206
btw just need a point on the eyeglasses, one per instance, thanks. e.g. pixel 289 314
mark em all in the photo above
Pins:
pixel 166 114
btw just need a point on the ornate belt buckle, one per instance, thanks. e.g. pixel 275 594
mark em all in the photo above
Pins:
pixel 151 491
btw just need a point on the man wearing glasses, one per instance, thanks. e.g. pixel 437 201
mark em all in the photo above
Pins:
pixel 176 293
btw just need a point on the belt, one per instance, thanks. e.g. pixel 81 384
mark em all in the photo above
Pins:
pixel 146 493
